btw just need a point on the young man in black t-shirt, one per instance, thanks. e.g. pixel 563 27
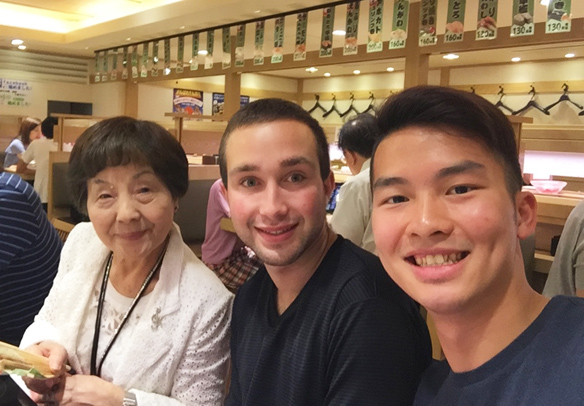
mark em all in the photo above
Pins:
pixel 321 323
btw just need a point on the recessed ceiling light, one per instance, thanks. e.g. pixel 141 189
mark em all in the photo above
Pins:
pixel 515 59
pixel 570 55
pixel 327 74
pixel 258 11
pixel 203 52
pixel 390 69
pixel 17 42
pixel 312 69
pixel 450 56
pixel 23 47
pixel 129 39
pixel 544 2
pixel 339 32
pixel 356 71
pixel 182 27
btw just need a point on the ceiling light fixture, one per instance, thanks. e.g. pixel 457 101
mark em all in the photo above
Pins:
pixel 129 39
pixel 515 59
pixel 312 69
pixel 544 2
pixel 451 57
pixel 327 74
pixel 339 32
pixel 258 11
pixel 22 47
pixel 390 69
pixel 356 71
pixel 203 52
pixel 182 27
pixel 17 42
pixel 570 55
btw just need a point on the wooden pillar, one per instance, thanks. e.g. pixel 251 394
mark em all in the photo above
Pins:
pixel 300 91
pixel 444 76
pixel 131 105
pixel 232 94
pixel 417 64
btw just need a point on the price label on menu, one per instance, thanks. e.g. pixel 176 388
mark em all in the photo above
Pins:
pixel 397 43
pixel 453 37
pixel 553 26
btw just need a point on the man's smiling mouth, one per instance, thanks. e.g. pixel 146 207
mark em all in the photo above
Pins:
pixel 437 259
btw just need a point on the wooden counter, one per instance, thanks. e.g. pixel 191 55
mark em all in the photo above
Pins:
pixel 28 176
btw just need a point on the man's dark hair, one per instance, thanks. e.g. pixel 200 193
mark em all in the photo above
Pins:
pixel 267 111
pixel 468 114
pixel 359 135
pixel 48 125
pixel 121 141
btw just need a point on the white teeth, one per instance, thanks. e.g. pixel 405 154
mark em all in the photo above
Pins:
pixel 439 259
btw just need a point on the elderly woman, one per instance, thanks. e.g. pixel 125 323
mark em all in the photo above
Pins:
pixel 29 130
pixel 133 311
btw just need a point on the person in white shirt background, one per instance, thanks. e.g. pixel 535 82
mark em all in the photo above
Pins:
pixel 352 215
pixel 38 151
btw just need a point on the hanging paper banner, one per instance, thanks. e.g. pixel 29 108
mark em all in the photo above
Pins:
pixel 487 20
pixel 351 30
pixel 154 71
pixel 522 18
pixel 427 23
pixel 105 66
pixel 144 66
pixel 166 57
pixel 374 40
pixel 180 54
pixel 258 53
pixel 134 61
pixel 300 48
pixel 226 59
pixel 195 52
pixel 559 16
pixel 278 52
pixel 210 49
pixel 114 73
pixel 399 29
pixel 97 77
pixel 187 101
pixel 125 64
pixel 326 38
pixel 239 46
pixel 455 21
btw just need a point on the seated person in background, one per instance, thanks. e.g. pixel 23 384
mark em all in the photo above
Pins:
pixel 352 216
pixel 566 276
pixel 133 310
pixel 320 323
pixel 223 251
pixel 29 256
pixel 38 151
pixel 448 215
pixel 29 131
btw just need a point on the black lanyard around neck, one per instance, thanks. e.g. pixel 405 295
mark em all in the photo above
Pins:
pixel 95 368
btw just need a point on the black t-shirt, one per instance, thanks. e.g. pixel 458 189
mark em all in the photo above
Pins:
pixel 351 337
pixel 544 366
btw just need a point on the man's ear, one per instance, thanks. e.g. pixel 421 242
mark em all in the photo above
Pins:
pixel 329 183
pixel 224 191
pixel 350 157
pixel 526 212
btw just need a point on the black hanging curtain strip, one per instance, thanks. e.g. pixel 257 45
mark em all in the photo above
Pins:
pixel 217 27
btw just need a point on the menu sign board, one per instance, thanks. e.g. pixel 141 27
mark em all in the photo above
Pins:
pixel 427 23
pixel 154 59
pixel 187 101
pixel 455 21
pixel 352 29
pixel 180 54
pixel 125 64
pixel 559 16
pixel 487 20
pixel 522 18
pixel 326 38
pixel 278 51
pixel 143 67
pixel 105 66
pixel 239 46
pixel 300 48
pixel 195 52
pixel 210 47
pixel 399 29
pixel 374 40
pixel 135 61
pixel 97 77
pixel 258 54
pixel 166 56
pixel 114 73
pixel 226 36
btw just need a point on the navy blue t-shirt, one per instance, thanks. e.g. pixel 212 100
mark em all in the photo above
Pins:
pixel 544 366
